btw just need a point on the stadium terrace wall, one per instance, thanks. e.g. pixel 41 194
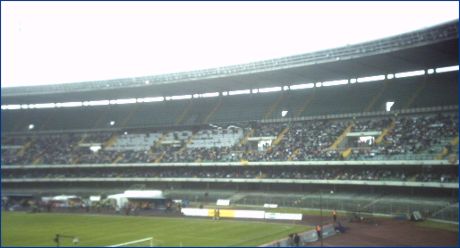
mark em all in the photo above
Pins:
pixel 97 183
pixel 393 200
pixel 237 180
pixel 226 164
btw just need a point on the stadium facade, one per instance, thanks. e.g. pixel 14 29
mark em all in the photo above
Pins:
pixel 375 122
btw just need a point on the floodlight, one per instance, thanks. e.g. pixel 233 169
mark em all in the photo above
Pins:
pixel 447 69
pixel 302 86
pixel 371 79
pixel 335 82
pixel 410 74
pixel 269 89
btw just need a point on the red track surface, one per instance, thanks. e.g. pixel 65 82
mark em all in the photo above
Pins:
pixel 388 232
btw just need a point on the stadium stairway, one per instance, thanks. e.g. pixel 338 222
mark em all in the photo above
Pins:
pixel 38 159
pixel 76 159
pixel 158 160
pixel 117 159
pixel 305 105
pixel 110 142
pixel 412 98
pixel 454 141
pixel 182 149
pixel 129 116
pixel 296 151
pixel 374 99
pixel 101 119
pixel 24 148
pixel 213 111
pixel 444 152
pixel 246 137
pixel 82 139
pixel 184 113
pixel 280 136
pixel 341 137
pixel 346 153
pixel 157 144
pixel 272 108
pixel 385 132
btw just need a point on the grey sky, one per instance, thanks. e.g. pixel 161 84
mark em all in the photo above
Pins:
pixel 65 42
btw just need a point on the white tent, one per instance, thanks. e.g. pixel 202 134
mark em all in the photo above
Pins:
pixel 66 200
pixel 144 194
pixel 122 199
pixel 95 198
pixel 64 197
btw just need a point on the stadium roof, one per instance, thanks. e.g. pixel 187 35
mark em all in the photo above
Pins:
pixel 427 48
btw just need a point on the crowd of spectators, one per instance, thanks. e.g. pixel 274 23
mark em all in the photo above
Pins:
pixel 45 149
pixel 367 125
pixel 311 140
pixel 10 156
pixel 303 141
pixel 317 173
pixel 12 148
pixel 413 135
pixel 419 133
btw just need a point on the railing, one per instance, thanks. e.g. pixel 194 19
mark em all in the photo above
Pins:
pixel 439 208
pixel 280 163
pixel 453 185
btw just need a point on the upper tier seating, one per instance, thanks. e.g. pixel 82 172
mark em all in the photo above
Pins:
pixel 412 137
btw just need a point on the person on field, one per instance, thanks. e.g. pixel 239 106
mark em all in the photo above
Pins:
pixel 334 215
pixel 216 214
pixel 296 240
pixel 339 228
pixel 290 241
pixel 318 231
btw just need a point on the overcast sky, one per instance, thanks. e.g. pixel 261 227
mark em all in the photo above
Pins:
pixel 66 42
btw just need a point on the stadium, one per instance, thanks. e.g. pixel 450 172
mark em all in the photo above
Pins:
pixel 243 155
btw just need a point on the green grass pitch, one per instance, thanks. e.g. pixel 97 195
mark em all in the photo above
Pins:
pixel 26 229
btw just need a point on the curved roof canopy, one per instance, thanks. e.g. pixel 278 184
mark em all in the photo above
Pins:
pixel 431 47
